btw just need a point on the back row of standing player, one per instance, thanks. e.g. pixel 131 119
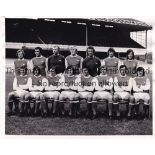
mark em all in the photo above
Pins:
pixel 92 62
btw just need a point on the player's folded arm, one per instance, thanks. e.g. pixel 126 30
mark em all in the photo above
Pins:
pixel 136 88
pixel 117 88
pixel 146 87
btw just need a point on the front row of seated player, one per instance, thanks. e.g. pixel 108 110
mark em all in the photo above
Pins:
pixel 31 93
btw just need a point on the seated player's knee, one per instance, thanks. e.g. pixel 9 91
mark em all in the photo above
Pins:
pixel 56 96
pixel 77 97
pixel 71 97
pixel 127 97
pixel 27 96
pixel 22 97
pixel 37 97
pixel 95 97
pixel 42 96
pixel 89 97
pixel 115 97
pixel 11 95
pixel 147 98
pixel 109 98
pixel 61 97
pixel 137 100
pixel 46 96
pixel 132 99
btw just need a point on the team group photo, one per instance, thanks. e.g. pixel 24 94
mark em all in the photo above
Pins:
pixel 78 76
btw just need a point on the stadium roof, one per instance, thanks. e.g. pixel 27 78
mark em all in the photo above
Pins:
pixel 128 23
pixel 118 23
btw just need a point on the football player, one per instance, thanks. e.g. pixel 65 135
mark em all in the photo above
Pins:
pixel 103 90
pixel 20 87
pixel 122 88
pixel 69 91
pixel 141 87
pixel 38 61
pixel 85 89
pixel 52 89
pixel 131 63
pixel 111 62
pixel 36 88
pixel 20 62
pixel 74 60
pixel 91 62
pixel 56 60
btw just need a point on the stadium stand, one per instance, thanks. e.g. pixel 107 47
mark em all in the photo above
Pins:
pixel 72 32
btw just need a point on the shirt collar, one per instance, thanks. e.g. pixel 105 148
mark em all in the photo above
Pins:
pixel 70 76
pixel 74 55
pixel 103 75
pixel 39 56
pixel 123 76
pixel 53 76
pixel 20 59
pixel 37 76
pixel 130 60
pixel 87 76
pixel 23 76
pixel 56 55
pixel 111 57
pixel 92 56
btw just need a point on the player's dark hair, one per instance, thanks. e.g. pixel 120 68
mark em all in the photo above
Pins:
pixel 24 68
pixel 140 69
pixel 75 49
pixel 38 48
pixel 57 47
pixel 130 51
pixel 69 67
pixel 20 50
pixel 90 47
pixel 53 68
pixel 103 66
pixel 122 66
pixel 111 50
pixel 36 68
pixel 85 68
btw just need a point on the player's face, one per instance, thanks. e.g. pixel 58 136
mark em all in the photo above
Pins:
pixel 37 52
pixel 73 51
pixel 140 73
pixel 36 72
pixel 111 54
pixel 85 72
pixel 20 55
pixel 103 71
pixel 22 72
pixel 55 50
pixel 70 72
pixel 90 52
pixel 52 72
pixel 123 71
pixel 130 56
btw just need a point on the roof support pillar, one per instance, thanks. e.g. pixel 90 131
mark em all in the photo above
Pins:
pixel 146 39
pixel 86 35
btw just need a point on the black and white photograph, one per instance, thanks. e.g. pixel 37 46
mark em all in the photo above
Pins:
pixel 78 76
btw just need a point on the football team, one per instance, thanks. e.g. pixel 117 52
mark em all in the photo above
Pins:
pixel 43 86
